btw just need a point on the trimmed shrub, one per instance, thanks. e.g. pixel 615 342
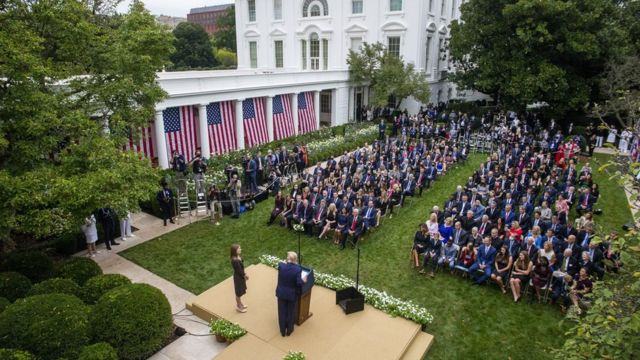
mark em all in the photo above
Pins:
pixel 50 326
pixel 95 287
pixel 14 286
pixel 99 351
pixel 135 319
pixel 79 269
pixel 35 265
pixel 4 302
pixel 69 243
pixel 55 286
pixel 15 354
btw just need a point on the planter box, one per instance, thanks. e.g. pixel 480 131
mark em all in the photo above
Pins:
pixel 350 300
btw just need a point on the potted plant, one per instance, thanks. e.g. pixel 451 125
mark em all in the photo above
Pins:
pixel 234 332
pixel 294 355
pixel 218 328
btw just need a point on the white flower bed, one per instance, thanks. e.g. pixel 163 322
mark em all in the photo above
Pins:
pixel 378 299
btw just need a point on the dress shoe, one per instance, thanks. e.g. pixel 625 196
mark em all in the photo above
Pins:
pixel 115 243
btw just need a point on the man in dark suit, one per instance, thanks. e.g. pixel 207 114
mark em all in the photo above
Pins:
pixel 484 227
pixel 370 215
pixel 513 246
pixel 468 222
pixel 107 218
pixel 290 281
pixel 458 235
pixel 507 215
pixel 584 238
pixel 492 211
pixel 596 256
pixel 250 173
pixel 524 220
pixel 557 228
pixel 164 198
pixel 353 229
pixel 585 202
pixel 319 215
pixel 484 261
pixel 531 249
pixel 304 216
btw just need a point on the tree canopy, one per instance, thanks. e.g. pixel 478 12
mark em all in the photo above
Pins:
pixel 72 86
pixel 526 51
pixel 386 74
pixel 225 36
pixel 193 47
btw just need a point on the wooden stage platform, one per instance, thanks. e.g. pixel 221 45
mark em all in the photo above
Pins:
pixel 328 335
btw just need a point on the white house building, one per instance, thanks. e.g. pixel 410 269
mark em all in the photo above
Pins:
pixel 292 47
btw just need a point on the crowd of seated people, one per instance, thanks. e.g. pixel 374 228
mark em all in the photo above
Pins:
pixel 344 198
pixel 511 222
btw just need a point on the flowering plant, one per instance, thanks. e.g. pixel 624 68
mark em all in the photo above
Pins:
pixel 298 227
pixel 227 329
pixel 294 355
pixel 376 298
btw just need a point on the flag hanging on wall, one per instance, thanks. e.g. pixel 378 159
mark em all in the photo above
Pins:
pixel 143 143
pixel 306 113
pixel 221 127
pixel 282 117
pixel 180 127
pixel 255 124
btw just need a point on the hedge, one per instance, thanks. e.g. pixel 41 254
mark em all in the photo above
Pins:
pixel 50 326
pixel 4 302
pixel 15 354
pixel 135 319
pixel 55 286
pixel 35 265
pixel 95 287
pixel 14 286
pixel 79 269
pixel 99 351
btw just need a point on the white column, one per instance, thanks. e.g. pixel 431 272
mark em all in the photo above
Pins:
pixel 351 103
pixel 239 125
pixel 316 107
pixel 294 110
pixel 203 132
pixel 340 112
pixel 270 117
pixel 161 143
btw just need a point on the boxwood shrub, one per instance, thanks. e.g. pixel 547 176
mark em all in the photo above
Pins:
pixel 95 287
pixel 79 269
pixel 99 351
pixel 35 265
pixel 50 326
pixel 13 285
pixel 55 286
pixel 15 354
pixel 135 319
pixel 4 302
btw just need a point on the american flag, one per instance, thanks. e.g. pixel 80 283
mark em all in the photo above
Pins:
pixel 180 127
pixel 282 118
pixel 255 124
pixel 143 143
pixel 306 113
pixel 221 127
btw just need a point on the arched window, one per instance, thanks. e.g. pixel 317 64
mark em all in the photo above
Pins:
pixel 315 8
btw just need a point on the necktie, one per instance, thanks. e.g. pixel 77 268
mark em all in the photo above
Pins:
pixel 353 224
pixel 368 213
pixel 585 242
pixel 564 265
pixel 482 229
pixel 319 213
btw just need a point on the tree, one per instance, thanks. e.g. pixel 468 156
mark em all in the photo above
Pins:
pixel 526 51
pixel 226 57
pixel 65 78
pixel 386 74
pixel 225 36
pixel 611 326
pixel 193 48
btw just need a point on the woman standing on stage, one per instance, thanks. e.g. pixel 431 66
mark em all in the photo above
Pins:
pixel 239 277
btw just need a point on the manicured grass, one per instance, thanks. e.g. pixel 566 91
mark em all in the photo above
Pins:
pixel 470 322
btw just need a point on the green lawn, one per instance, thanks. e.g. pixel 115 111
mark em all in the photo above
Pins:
pixel 470 322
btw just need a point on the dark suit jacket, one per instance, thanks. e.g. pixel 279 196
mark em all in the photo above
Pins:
pixel 572 266
pixel 359 223
pixel 532 252
pixel 486 255
pixel 493 214
pixel 580 239
pixel 468 224
pixel 524 221
pixel 462 239
pixel 289 281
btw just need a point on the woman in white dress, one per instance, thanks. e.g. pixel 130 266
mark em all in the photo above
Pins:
pixel 91 234
pixel 623 146
pixel 613 132
pixel 432 224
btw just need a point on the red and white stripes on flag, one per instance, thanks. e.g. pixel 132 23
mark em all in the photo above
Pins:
pixel 221 127
pixel 306 113
pixel 282 117
pixel 143 142
pixel 255 122
pixel 181 130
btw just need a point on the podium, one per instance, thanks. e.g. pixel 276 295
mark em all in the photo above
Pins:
pixel 303 303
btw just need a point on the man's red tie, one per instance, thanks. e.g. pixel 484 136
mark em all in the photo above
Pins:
pixel 353 224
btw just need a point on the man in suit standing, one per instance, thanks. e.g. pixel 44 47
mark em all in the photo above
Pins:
pixel 107 218
pixel 290 281
pixel 251 173
pixel 484 261
pixel 164 198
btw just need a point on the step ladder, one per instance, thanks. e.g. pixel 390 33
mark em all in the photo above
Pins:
pixel 200 191
pixel 184 205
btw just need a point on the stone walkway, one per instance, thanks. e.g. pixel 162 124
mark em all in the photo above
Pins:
pixel 197 344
